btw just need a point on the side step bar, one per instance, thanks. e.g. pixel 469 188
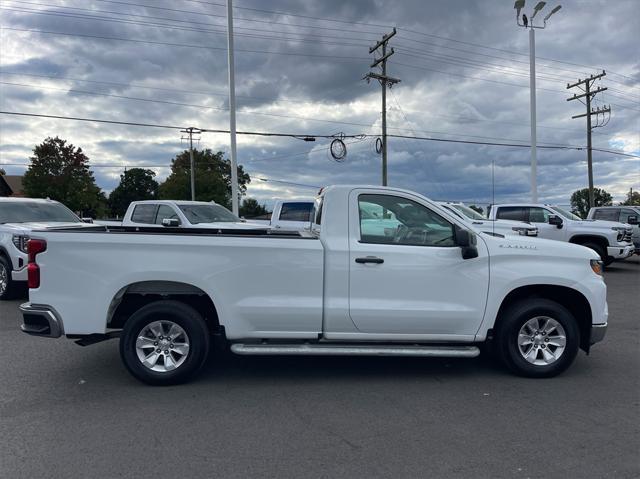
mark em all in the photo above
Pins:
pixel 356 350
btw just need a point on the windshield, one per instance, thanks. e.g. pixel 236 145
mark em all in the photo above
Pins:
pixel 468 212
pixel 31 211
pixel 566 213
pixel 208 214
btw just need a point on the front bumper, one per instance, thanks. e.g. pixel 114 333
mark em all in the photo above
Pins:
pixel 598 332
pixel 19 275
pixel 40 320
pixel 620 252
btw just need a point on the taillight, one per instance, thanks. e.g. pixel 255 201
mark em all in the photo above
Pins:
pixel 34 247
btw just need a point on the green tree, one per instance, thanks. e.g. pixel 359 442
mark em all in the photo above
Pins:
pixel 60 171
pixel 477 209
pixel 632 199
pixel 251 208
pixel 136 184
pixel 580 200
pixel 213 178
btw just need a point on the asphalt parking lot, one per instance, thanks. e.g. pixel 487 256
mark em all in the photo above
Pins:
pixel 67 411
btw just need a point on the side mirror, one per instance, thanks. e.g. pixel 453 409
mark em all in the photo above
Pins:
pixel 87 220
pixel 632 219
pixel 555 220
pixel 171 222
pixel 467 242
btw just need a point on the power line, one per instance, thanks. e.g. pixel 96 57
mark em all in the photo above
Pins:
pixel 186 45
pixel 303 136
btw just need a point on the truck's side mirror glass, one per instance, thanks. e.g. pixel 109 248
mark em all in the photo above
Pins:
pixel 555 220
pixel 632 219
pixel 171 222
pixel 466 240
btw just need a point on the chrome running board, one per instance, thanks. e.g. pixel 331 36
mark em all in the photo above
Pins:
pixel 356 350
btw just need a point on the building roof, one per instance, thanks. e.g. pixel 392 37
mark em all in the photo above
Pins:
pixel 15 184
pixel 5 189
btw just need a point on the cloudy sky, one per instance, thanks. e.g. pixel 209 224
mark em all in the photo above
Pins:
pixel 464 68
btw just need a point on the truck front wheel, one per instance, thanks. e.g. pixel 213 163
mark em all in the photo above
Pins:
pixel 7 285
pixel 165 342
pixel 538 338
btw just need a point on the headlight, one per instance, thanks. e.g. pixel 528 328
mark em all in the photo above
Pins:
pixel 621 232
pixel 597 266
pixel 20 242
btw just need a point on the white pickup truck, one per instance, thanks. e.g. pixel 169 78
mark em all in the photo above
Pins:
pixel 18 217
pixel 504 227
pixel 179 214
pixel 611 240
pixel 429 286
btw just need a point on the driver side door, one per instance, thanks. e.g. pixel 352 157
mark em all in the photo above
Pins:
pixel 406 274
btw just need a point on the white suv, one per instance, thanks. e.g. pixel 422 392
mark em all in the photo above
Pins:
pixel 18 217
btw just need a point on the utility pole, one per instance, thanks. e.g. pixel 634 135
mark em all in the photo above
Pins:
pixel 232 111
pixel 528 23
pixel 190 131
pixel 588 94
pixel 384 81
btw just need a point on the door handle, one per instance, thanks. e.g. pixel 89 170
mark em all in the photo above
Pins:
pixel 370 259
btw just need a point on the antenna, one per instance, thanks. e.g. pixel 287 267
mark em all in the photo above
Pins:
pixel 493 190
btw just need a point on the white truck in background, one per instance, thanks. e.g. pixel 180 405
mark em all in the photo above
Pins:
pixel 610 239
pixel 18 218
pixel 429 286
pixel 504 227
pixel 624 214
pixel 180 214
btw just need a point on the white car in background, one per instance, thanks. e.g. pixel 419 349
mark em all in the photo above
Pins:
pixel 504 227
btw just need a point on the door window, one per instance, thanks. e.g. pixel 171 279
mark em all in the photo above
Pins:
pixel 515 213
pixel 144 214
pixel 165 211
pixel 539 215
pixel 386 219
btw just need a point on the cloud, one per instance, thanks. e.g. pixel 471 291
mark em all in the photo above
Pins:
pixel 310 81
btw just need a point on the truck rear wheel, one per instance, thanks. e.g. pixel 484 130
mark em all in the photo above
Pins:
pixel 538 338
pixel 165 342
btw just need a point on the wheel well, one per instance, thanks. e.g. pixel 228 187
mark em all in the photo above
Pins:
pixel 133 297
pixel 599 240
pixel 571 299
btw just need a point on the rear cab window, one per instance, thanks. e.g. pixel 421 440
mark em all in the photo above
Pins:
pixel 609 214
pixel 515 213
pixel 296 211
pixel 145 213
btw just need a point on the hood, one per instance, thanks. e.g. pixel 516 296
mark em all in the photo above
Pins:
pixel 511 223
pixel 522 245
pixel 230 225
pixel 43 225
pixel 603 224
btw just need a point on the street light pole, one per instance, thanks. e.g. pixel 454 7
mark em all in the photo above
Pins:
pixel 232 111
pixel 532 107
pixel 528 23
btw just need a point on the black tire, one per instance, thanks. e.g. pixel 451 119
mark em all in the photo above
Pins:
pixel 607 260
pixel 8 291
pixel 171 311
pixel 515 317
